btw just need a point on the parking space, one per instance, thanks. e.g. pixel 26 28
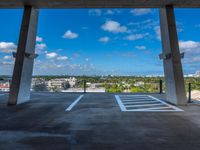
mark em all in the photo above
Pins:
pixel 144 103
pixel 63 100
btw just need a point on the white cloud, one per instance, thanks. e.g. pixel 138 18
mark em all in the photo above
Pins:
pixel 59 68
pixel 51 55
pixel 134 37
pixel 39 39
pixel 70 35
pixel 100 12
pixel 110 12
pixel 7 47
pixel 192 51
pixel 6 63
pixel 141 47
pixel 104 39
pixel 62 58
pixel 55 56
pixel 194 60
pixel 40 47
pixel 7 57
pixel 158 33
pixel 141 11
pixel 95 12
pixel 143 25
pixel 114 27
pixel 189 46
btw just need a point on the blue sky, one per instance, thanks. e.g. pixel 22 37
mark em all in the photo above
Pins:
pixel 100 41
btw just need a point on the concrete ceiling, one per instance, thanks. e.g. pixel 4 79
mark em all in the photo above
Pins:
pixel 99 3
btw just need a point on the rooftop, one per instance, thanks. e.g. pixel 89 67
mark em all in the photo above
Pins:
pixel 95 122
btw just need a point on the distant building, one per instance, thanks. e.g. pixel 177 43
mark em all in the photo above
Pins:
pixel 197 74
pixel 58 84
pixel 139 83
pixel 61 83
pixel 72 81
pixel 5 85
pixel 38 84
pixel 96 85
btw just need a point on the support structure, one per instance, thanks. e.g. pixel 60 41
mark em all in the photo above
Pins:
pixel 175 88
pixel 23 68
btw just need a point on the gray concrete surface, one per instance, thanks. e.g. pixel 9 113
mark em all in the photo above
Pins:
pixel 95 123
pixel 175 88
pixel 23 67
pixel 97 3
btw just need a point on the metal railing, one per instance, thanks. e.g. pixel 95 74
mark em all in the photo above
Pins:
pixel 146 87
pixel 193 91
pixel 189 93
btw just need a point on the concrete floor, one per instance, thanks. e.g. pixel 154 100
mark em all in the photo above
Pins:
pixel 95 123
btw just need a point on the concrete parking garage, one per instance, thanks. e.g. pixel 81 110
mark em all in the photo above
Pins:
pixel 95 122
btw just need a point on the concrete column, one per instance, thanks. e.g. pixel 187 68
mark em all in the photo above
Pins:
pixel 175 88
pixel 23 68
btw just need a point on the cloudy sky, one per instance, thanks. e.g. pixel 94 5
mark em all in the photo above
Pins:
pixel 100 41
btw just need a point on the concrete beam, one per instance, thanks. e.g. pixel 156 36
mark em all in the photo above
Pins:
pixel 175 88
pixel 99 3
pixel 23 68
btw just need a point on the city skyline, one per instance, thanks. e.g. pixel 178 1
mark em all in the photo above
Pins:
pixel 100 41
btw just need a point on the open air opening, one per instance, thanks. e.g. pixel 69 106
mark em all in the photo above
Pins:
pixel 108 49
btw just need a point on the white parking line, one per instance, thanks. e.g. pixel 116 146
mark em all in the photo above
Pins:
pixel 144 103
pixel 171 106
pixel 137 100
pixel 121 105
pixel 132 95
pixel 158 108
pixel 74 103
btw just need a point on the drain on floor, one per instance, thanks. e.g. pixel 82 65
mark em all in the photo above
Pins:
pixel 143 103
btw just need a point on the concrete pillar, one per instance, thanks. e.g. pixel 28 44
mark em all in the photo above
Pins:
pixel 175 88
pixel 23 68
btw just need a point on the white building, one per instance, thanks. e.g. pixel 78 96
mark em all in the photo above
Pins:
pixel 61 83
pixel 5 86
pixel 197 74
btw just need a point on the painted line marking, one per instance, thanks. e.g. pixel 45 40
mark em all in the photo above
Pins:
pixel 145 110
pixel 136 100
pixel 74 103
pixel 132 95
pixel 121 105
pixel 147 99
pixel 171 106
pixel 159 108
pixel 144 103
